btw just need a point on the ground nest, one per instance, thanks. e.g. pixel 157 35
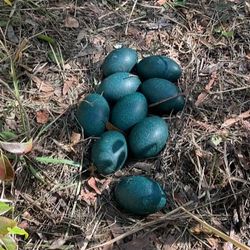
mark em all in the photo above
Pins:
pixel 205 165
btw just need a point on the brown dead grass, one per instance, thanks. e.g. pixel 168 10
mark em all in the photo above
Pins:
pixel 213 180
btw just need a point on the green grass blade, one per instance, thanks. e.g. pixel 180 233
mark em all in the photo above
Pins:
pixel 51 160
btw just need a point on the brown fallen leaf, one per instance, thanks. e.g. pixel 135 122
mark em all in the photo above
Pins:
pixel 6 170
pixel 87 196
pixel 214 243
pixel 42 116
pixel 231 121
pixel 42 85
pixel 246 125
pixel 71 22
pixel 199 228
pixel 92 183
pixel 161 2
pixel 17 147
pixel 75 138
pixel 202 96
pixel 68 83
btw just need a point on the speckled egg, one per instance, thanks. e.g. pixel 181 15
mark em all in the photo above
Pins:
pixel 118 85
pixel 139 195
pixel 109 153
pixel 119 60
pixel 129 110
pixel 159 67
pixel 157 90
pixel 93 114
pixel 148 137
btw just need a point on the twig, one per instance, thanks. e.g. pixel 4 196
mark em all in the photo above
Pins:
pixel 130 15
pixel 216 231
pixel 148 224
pixel 165 100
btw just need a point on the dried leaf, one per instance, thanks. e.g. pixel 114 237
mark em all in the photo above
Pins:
pixel 199 228
pixel 6 170
pixel 57 244
pixel 110 126
pixel 71 22
pixel 75 138
pixel 17 147
pixel 11 35
pixel 202 96
pixel 42 116
pixel 213 242
pixel 68 84
pixel 42 85
pixel 87 196
pixel 161 2
pixel 92 183
pixel 246 125
pixel 231 121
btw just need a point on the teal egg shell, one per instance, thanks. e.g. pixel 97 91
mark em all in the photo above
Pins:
pixel 119 60
pixel 129 110
pixel 140 195
pixel 118 85
pixel 110 152
pixel 156 90
pixel 158 67
pixel 93 114
pixel 148 137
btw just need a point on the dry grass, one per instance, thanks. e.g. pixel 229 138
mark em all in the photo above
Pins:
pixel 210 180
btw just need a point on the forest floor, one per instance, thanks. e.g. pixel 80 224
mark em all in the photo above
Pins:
pixel 50 58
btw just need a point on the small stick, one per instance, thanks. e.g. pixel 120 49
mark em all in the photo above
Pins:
pixel 130 15
pixel 217 232
pixel 164 100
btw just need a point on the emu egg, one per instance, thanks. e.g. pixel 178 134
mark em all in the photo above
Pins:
pixel 93 114
pixel 129 110
pixel 160 67
pixel 109 153
pixel 157 90
pixel 140 195
pixel 148 137
pixel 119 60
pixel 118 85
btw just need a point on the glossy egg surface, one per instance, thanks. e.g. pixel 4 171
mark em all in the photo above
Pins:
pixel 109 153
pixel 159 67
pixel 129 110
pixel 119 60
pixel 118 85
pixel 93 114
pixel 148 137
pixel 139 195
pixel 157 90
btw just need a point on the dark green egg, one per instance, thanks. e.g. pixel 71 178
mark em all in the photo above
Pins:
pixel 148 137
pixel 129 110
pixel 109 153
pixel 159 67
pixel 119 60
pixel 118 85
pixel 157 90
pixel 140 195
pixel 93 114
